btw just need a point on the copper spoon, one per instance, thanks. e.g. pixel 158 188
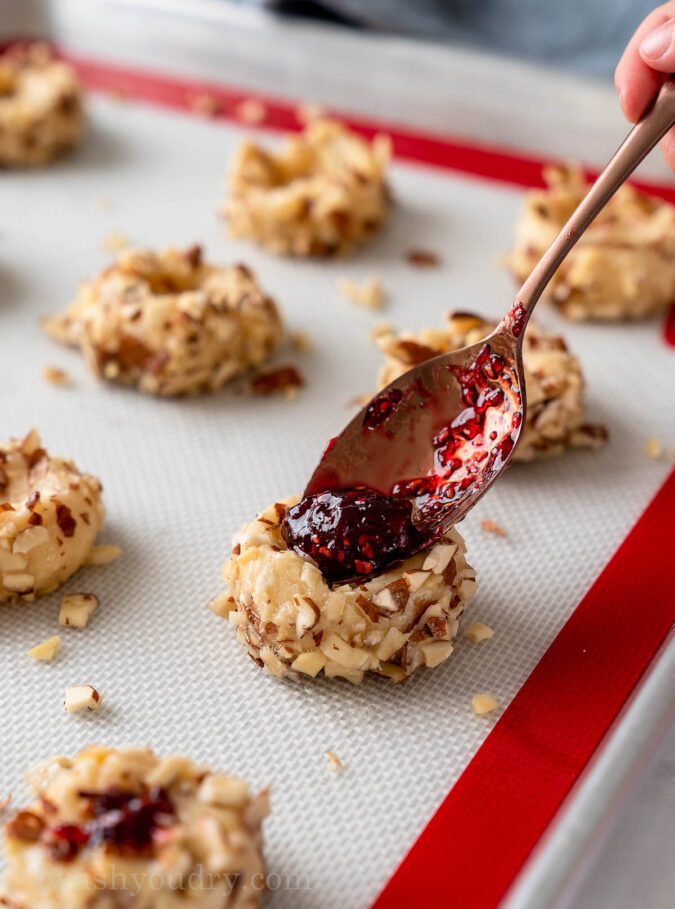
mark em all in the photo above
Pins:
pixel 444 431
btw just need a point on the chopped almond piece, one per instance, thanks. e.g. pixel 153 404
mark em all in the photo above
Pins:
pixel 47 650
pixel 301 341
pixel 76 609
pixel 82 697
pixel 310 663
pixel 225 791
pixel 308 111
pixel 335 762
pixel 369 293
pixel 205 104
pixel 483 703
pixel 101 555
pixel 222 604
pixel 492 527
pixel 478 632
pixel 5 802
pixel 439 557
pixel 115 241
pixel 653 448
pixel 270 381
pixel 55 376
pixel 251 111
pixel 422 258
pixel 18 583
pixel 379 330
pixel 435 652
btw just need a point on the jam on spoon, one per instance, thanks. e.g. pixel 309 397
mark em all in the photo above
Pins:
pixel 359 532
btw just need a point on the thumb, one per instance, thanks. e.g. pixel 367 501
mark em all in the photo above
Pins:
pixel 657 48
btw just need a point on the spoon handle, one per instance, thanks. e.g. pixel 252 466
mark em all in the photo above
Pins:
pixel 652 126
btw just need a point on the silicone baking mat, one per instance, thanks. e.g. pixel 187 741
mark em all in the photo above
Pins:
pixel 181 476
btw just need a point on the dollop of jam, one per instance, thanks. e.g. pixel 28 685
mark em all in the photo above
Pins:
pixel 349 533
pixel 124 821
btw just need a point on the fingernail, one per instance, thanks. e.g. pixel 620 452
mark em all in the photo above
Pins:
pixel 657 42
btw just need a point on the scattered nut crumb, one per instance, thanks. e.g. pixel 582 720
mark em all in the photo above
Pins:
pixel 301 341
pixel 422 258
pixel 101 555
pixel 270 381
pixel 115 241
pixel 653 448
pixel 121 93
pixel 492 527
pixel 76 609
pixel 250 111
pixel 369 293
pixel 379 330
pixel 308 111
pixel 478 632
pixel 47 650
pixel 483 703
pixel 205 104
pixel 4 803
pixel 335 762
pixel 55 376
pixel 82 697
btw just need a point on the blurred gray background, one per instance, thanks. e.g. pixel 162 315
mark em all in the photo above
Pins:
pixel 584 35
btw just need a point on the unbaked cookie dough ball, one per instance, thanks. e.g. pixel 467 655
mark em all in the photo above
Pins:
pixel 293 623
pixel 321 194
pixel 41 112
pixel 623 267
pixel 170 324
pixel 115 828
pixel 50 514
pixel 553 380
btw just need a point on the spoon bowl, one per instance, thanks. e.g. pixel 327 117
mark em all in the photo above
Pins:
pixel 439 434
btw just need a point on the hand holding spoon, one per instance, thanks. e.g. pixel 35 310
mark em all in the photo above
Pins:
pixel 422 452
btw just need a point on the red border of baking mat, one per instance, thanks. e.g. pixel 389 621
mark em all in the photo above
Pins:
pixel 449 153
pixel 507 796
pixel 504 800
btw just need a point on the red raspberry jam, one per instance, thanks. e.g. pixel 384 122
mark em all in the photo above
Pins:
pixel 124 821
pixel 466 452
pixel 352 532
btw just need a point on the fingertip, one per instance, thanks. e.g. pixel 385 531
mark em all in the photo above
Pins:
pixel 636 84
pixel 657 47
pixel 633 98
pixel 636 77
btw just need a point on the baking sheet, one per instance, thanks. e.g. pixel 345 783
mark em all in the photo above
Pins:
pixel 181 476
